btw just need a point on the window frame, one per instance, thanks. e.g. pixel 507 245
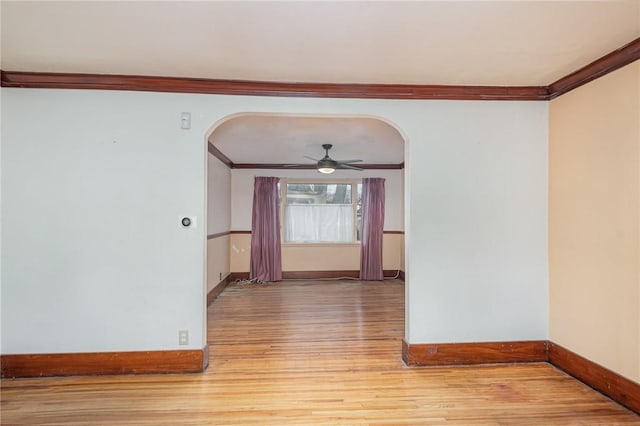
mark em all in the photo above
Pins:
pixel 354 204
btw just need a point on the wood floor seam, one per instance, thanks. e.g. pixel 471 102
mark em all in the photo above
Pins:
pixel 302 353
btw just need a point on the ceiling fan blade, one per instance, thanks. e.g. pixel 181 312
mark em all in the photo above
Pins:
pixel 346 166
pixel 349 161
pixel 310 158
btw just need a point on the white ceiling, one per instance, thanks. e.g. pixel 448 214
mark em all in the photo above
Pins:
pixel 422 42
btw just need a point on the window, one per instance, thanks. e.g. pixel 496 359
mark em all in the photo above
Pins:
pixel 321 212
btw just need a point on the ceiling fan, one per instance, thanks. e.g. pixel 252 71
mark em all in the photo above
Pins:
pixel 328 165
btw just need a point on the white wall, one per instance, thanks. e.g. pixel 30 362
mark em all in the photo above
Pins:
pixel 94 185
pixel 242 190
pixel 218 196
pixel 477 227
pixel 122 274
pixel 218 220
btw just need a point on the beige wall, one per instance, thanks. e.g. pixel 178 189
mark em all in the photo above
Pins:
pixel 594 214
pixel 320 257
pixel 239 252
pixel 317 257
pixel 217 260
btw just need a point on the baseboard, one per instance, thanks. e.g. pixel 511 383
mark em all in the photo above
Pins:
pixel 310 275
pixel 215 292
pixel 432 354
pixel 235 276
pixel 620 389
pixel 101 363
pixel 624 391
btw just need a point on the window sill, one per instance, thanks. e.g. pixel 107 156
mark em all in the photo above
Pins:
pixel 320 244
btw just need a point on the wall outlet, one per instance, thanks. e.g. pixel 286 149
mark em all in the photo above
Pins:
pixel 183 337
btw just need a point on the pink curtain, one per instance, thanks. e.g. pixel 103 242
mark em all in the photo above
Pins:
pixel 372 229
pixel 266 259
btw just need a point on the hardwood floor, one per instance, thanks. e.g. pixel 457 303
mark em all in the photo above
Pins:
pixel 313 353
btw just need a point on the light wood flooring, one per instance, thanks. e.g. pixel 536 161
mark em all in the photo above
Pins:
pixel 313 353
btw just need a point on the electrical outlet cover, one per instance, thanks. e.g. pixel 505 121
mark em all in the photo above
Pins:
pixel 183 337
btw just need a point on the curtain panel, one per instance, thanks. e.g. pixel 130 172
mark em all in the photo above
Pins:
pixel 372 229
pixel 266 258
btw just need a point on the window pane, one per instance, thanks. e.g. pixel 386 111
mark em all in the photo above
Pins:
pixel 318 213
pixel 314 193
pixel 319 223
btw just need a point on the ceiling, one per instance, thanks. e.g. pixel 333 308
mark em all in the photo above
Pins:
pixel 421 42
pixel 502 43
pixel 282 139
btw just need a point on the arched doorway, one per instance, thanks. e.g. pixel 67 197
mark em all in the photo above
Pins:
pixel 244 145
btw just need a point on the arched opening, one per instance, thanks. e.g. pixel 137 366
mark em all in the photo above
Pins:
pixel 246 145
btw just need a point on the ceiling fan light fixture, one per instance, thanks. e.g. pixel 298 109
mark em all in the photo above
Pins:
pixel 327 165
pixel 326 170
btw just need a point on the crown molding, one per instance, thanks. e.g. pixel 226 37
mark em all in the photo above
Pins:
pixel 230 164
pixel 312 166
pixel 604 65
pixel 601 66
pixel 220 156
pixel 265 88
